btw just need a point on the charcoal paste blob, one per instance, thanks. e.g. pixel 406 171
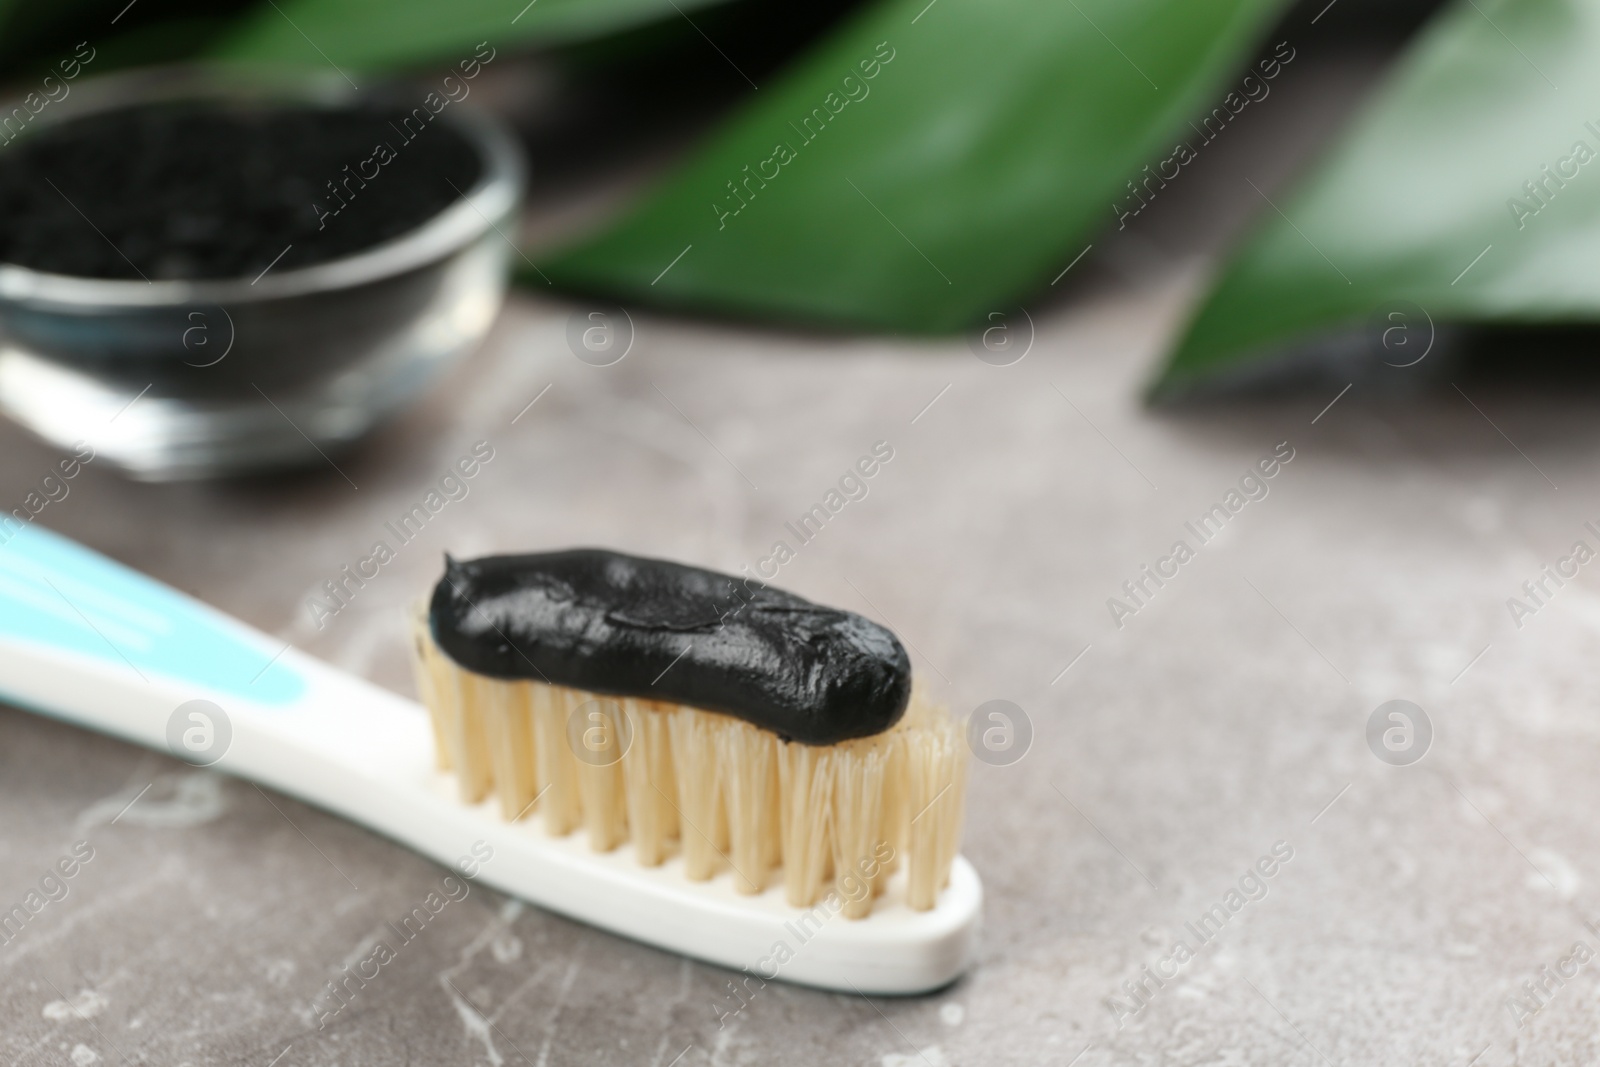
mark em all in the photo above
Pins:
pixel 620 625
pixel 204 189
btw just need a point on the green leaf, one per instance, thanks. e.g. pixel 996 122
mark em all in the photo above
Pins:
pixel 375 35
pixel 1419 201
pixel 986 148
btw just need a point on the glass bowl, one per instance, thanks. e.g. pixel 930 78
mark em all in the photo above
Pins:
pixel 172 379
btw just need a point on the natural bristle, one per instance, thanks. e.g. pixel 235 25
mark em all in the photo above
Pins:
pixel 724 794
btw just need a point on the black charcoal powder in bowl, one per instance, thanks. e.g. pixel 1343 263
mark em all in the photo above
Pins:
pixel 204 190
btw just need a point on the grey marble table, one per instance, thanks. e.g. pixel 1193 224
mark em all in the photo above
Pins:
pixel 1223 722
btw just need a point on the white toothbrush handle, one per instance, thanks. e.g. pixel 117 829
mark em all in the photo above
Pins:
pixel 85 639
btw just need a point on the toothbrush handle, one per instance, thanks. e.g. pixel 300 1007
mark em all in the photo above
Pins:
pixel 88 640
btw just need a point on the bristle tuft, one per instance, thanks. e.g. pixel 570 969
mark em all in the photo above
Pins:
pixel 836 820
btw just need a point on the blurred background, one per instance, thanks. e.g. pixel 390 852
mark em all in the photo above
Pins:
pixel 1084 267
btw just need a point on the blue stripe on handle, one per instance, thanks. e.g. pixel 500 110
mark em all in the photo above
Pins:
pixel 55 592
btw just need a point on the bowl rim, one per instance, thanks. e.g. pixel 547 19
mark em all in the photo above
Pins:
pixel 490 201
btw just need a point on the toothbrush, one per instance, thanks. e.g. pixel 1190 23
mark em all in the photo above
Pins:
pixel 89 641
